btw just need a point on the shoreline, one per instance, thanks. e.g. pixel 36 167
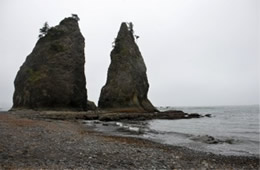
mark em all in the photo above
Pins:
pixel 141 130
pixel 27 143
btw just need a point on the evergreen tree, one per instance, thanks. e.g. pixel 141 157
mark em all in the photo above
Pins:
pixel 131 27
pixel 44 30
pixel 75 16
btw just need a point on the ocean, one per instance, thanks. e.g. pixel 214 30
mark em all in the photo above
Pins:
pixel 231 130
pixel 236 127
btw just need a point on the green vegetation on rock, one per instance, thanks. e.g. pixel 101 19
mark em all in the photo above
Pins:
pixel 57 47
pixel 44 30
pixel 35 76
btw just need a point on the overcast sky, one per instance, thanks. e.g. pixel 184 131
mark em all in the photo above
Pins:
pixel 197 52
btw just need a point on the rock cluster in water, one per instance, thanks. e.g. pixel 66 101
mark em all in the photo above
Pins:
pixel 52 77
pixel 127 85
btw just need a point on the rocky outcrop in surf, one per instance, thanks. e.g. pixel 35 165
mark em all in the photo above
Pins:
pixel 127 84
pixel 52 77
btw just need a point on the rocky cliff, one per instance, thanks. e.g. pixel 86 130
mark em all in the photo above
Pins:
pixel 127 85
pixel 52 77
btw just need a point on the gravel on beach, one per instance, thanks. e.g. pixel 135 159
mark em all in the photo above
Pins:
pixel 57 144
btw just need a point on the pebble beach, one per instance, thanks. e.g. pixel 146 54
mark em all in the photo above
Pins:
pixel 27 143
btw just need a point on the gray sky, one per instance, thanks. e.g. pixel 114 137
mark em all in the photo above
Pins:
pixel 197 52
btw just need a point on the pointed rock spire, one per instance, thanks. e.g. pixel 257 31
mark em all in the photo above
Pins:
pixel 127 85
pixel 52 77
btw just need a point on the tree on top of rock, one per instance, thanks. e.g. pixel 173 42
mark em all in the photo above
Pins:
pixel 131 27
pixel 75 16
pixel 44 30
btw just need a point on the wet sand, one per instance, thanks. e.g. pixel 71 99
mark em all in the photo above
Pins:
pixel 34 143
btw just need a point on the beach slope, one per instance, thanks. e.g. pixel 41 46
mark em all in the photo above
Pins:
pixel 65 144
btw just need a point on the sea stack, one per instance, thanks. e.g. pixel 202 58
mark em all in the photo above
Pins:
pixel 52 77
pixel 127 85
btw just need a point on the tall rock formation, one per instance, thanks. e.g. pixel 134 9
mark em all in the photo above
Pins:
pixel 127 85
pixel 52 77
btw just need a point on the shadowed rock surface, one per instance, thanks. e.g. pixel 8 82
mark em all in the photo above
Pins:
pixel 101 115
pixel 91 105
pixel 127 85
pixel 52 77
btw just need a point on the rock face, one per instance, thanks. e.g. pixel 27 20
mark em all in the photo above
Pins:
pixel 91 105
pixel 52 77
pixel 127 85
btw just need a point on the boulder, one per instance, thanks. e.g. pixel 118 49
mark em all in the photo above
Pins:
pixel 194 115
pixel 52 77
pixel 127 85
pixel 206 139
pixel 91 105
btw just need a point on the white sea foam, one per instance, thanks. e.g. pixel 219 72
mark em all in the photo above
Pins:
pixel 135 129
pixel 119 124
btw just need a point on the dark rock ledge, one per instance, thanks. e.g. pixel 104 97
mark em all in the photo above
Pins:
pixel 104 115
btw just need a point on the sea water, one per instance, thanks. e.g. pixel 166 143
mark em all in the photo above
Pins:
pixel 236 126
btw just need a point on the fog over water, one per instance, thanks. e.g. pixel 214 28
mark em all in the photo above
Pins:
pixel 197 52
